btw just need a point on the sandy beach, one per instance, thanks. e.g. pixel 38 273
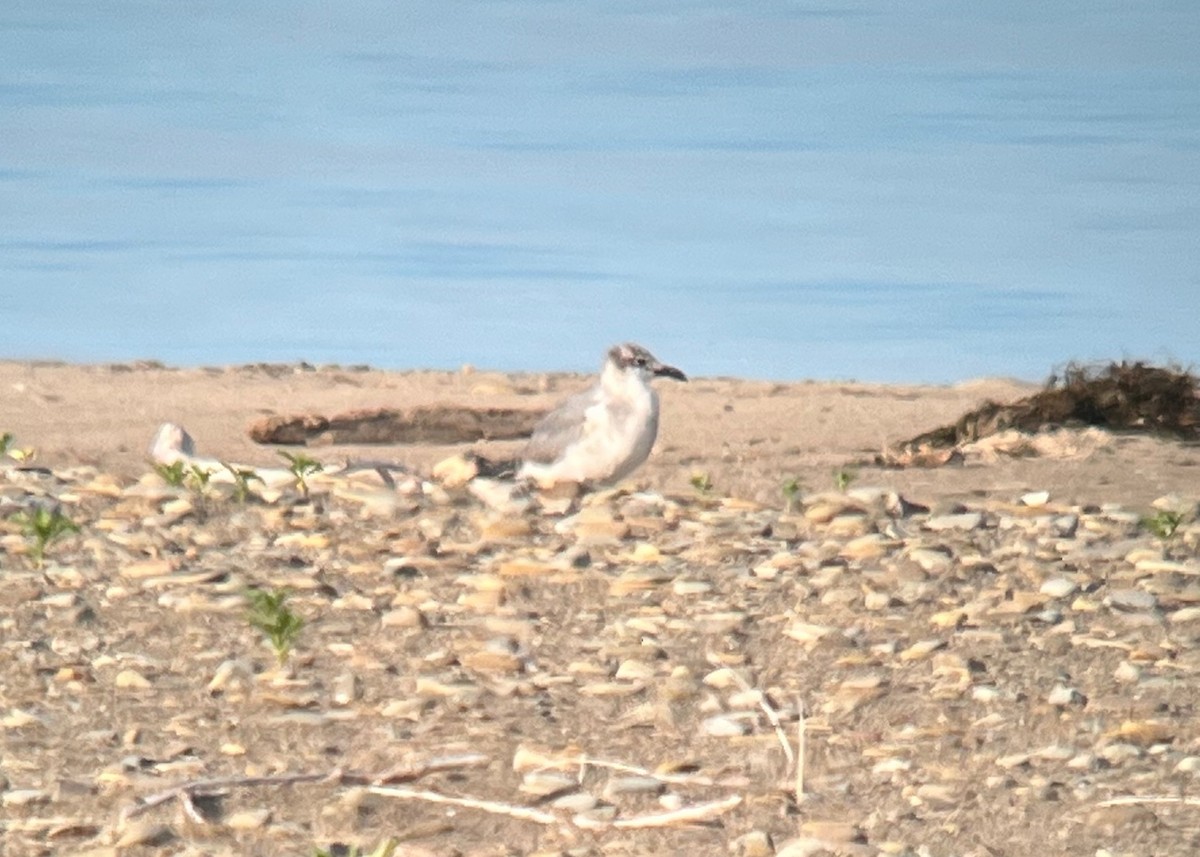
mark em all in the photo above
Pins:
pixel 748 436
pixel 996 656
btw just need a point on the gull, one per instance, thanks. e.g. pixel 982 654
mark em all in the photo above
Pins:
pixel 603 434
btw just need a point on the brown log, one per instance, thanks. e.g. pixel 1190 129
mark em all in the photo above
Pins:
pixel 434 424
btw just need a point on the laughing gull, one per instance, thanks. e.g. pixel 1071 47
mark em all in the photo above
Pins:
pixel 603 434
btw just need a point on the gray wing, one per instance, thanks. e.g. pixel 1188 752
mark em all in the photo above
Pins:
pixel 560 428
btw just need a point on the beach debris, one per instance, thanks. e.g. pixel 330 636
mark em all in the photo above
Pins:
pixel 1072 416
pixel 172 446
pixel 438 424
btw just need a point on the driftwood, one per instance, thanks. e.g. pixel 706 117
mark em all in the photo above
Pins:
pixel 437 424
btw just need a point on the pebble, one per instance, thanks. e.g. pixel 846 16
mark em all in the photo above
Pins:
pixel 1058 587
pixel 723 726
pixel 24 797
pixel 1133 600
pixel 960 521
pixel 1036 651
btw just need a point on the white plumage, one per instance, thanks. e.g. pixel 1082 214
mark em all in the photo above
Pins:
pixel 603 434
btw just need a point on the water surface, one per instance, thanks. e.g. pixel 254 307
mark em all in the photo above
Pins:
pixel 921 191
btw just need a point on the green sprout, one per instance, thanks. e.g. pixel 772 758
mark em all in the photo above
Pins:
pixel 843 476
pixel 44 526
pixel 302 467
pixel 702 482
pixel 791 492
pixel 199 477
pixel 173 474
pixel 269 614
pixel 6 440
pixel 242 477
pixel 1164 524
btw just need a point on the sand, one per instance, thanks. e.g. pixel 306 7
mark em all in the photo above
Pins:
pixel 995 678
pixel 747 436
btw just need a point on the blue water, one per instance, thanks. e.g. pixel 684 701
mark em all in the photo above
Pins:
pixel 918 191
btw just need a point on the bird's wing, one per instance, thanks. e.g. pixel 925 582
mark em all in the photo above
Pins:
pixel 559 429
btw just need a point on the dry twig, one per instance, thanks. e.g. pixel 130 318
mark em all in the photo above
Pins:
pixel 772 716
pixel 1130 800
pixel 184 792
pixel 494 807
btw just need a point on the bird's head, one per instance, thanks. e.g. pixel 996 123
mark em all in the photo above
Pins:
pixel 629 357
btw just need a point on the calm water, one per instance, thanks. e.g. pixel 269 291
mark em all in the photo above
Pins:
pixel 915 191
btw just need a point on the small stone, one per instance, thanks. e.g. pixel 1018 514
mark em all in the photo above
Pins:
pixel 505 529
pixel 576 802
pixel 148 568
pixel 1065 526
pixel 24 797
pixel 1131 600
pixel 932 561
pixel 229 674
pixel 490 661
pixel 250 819
pixel 346 689
pixel 1127 673
pixel 1188 765
pixel 1035 498
pixel 545 783
pixel 455 471
pixel 1058 587
pixel 960 521
pixel 632 785
pixel 403 617
pixel 756 843
pixel 921 650
pixel 868 547
pixel 807 633
pixel 723 726
pixel 831 831
pixel 1063 696
pixel 144 833
pixel 131 680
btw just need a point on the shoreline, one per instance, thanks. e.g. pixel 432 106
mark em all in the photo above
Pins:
pixel 301 365
pixel 748 436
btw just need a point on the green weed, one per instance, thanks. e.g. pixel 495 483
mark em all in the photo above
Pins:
pixel 173 474
pixel 302 467
pixel 44 526
pixel 702 482
pixel 1163 523
pixel 843 476
pixel 268 613
pixel 791 492
pixel 242 477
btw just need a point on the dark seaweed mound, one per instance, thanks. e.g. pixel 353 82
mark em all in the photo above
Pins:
pixel 1124 397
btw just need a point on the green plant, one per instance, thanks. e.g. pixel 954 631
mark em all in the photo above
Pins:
pixel 242 477
pixel 302 467
pixel 173 474
pixel 269 614
pixel 199 477
pixel 1164 524
pixel 843 476
pixel 702 482
pixel 6 440
pixel 385 849
pixel 791 492
pixel 44 526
